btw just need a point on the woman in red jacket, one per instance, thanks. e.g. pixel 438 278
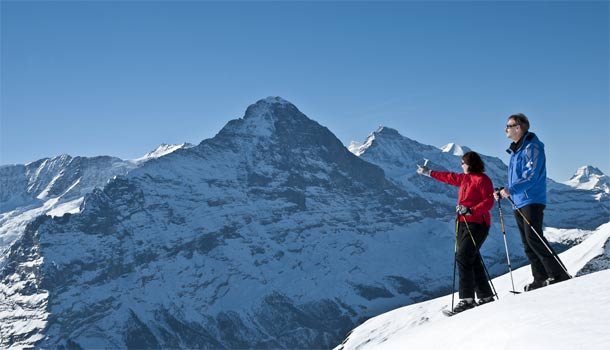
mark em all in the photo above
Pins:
pixel 475 200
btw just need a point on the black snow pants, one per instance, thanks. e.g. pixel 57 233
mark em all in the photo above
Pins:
pixel 543 262
pixel 470 266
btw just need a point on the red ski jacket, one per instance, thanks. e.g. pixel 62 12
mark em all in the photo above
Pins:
pixel 476 192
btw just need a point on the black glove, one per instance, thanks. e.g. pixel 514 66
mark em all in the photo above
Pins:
pixel 423 170
pixel 462 210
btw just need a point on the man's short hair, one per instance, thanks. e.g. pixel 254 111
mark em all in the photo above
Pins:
pixel 521 120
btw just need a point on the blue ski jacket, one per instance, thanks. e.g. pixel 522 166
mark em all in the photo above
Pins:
pixel 527 171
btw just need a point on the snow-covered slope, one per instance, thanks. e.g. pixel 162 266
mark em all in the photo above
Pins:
pixel 571 315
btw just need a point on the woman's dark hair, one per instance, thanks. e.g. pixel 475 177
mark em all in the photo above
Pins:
pixel 474 162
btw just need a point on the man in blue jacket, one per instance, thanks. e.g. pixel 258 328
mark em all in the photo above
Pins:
pixel 527 188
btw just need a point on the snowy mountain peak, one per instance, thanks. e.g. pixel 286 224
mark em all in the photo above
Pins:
pixel 267 107
pixel 590 178
pixel 275 100
pixel 382 132
pixel 387 132
pixel 455 149
pixel 358 148
pixel 585 173
pixel 276 121
pixel 261 117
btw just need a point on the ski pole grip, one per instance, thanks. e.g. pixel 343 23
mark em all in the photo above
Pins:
pixel 497 191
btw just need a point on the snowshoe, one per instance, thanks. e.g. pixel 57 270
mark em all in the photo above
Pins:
pixel 463 305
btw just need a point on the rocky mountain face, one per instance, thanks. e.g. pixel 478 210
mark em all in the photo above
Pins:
pixel 599 263
pixel 269 235
pixel 257 237
pixel 51 186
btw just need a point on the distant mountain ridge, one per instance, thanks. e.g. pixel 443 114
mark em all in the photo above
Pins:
pixel 65 176
pixel 570 205
pixel 58 176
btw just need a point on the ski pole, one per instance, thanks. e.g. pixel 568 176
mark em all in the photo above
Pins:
pixel 454 260
pixel 506 248
pixel 540 237
pixel 481 258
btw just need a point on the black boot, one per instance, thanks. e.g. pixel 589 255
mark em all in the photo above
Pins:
pixel 534 285
pixel 463 305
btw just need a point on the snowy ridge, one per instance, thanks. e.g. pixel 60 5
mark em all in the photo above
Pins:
pixel 161 151
pixel 62 176
pixel 513 321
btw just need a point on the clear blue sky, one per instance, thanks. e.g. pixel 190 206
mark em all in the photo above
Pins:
pixel 120 78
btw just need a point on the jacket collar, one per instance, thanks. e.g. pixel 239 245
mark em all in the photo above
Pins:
pixel 515 146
